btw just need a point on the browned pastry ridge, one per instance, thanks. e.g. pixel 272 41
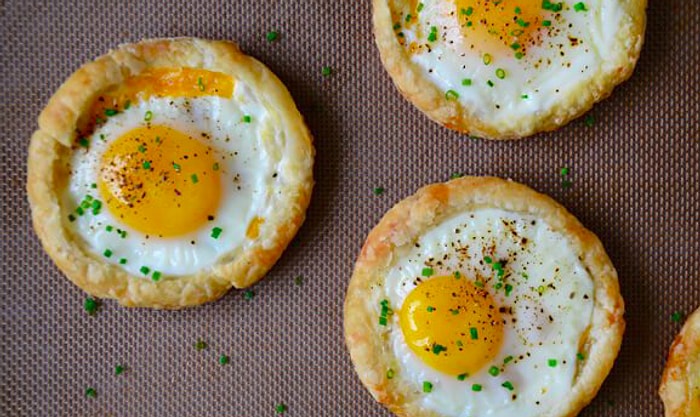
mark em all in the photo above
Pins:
pixel 680 384
pixel 371 350
pixel 54 143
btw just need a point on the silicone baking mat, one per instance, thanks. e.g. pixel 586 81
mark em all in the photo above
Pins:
pixel 635 173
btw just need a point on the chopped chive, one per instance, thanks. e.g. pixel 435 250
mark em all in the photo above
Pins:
pixel 142 148
pixel 146 165
pixel 551 363
pixel 90 392
pixel 109 228
pixel 83 142
pixel 468 11
pixel 216 232
pixel 148 116
pixel 397 26
pixel 90 306
pixel 438 348
pixel 457 275
pixel 247 119
pixel 494 371
pixel 215 167
pixel 79 210
pixel 476 387
pixel 194 178
pixel 462 377
pixel 326 71
pixel 390 373
pixel 408 18
pixel 107 253
pixel 487 59
pixel 451 95
pixel 280 408
pixel 93 185
pixel 519 55
pixel 524 96
pixel 501 73
pixel 517 10
pixel 378 190
pixel 430 309
pixel 145 270
pixel 420 7
pixel 479 284
pixel 522 23
pixel 111 112
pixel 298 280
pixel 200 84
pixel 580 7
pixel 490 83
pixel 156 276
pixel 200 344
pixel 589 120
pixel 454 311
pixel 580 356
pixel 469 24
pixel 509 289
pixel 507 359
pixel 546 23
pixel 488 259
pixel 677 316
pixel 119 369
pixel 459 343
pixel 272 36
pixel 177 167
pixel 564 171
pixel 515 46
pixel 508 385
pixel 456 175
pixel 432 36
pixel 427 272
pixel 467 82
pixel 473 333
pixel 223 359
pixel 248 294
pixel 383 321
pixel 122 261
pixel 96 204
pixel 427 386
pixel 123 234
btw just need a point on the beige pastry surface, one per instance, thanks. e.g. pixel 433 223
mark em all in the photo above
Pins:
pixel 508 69
pixel 480 296
pixel 680 384
pixel 165 172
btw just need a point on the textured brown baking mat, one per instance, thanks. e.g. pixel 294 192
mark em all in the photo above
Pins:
pixel 634 172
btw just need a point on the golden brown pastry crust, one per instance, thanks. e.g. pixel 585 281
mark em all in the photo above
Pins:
pixel 417 88
pixel 409 219
pixel 57 133
pixel 680 384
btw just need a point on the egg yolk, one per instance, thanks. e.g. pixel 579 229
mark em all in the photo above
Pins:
pixel 506 25
pixel 160 181
pixel 452 325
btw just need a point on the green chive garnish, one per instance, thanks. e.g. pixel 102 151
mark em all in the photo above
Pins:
pixel 501 73
pixel 90 306
pixel 487 59
pixel 432 36
pixel 519 55
pixel 142 148
pixel 546 23
pixel 248 294
pixel 146 165
pixel 378 190
pixel 390 373
pixel 427 272
pixel 427 386
pixel 494 371
pixel 194 178
pixel 223 359
pixel 420 7
pixel 148 116
pixel 156 276
pixel 107 253
pixel 467 82
pixel 216 232
pixel 580 356
pixel 272 36
pixel 122 261
pixel 119 369
pixel 552 363
pixel 589 120
pixel 215 167
pixel 438 348
pixel 145 270
pixel 509 288
pixel 476 387
pixel 83 142
pixel 200 84
pixel 522 23
pixel 473 333
pixel 677 316
pixel 247 119
pixel 298 280
pixel 280 408
pixel 177 167
pixel 580 7
pixel 200 344
pixel 430 309
pixel 462 377
pixel 489 83
pixel 451 95
pixel 326 71
pixel 111 112
pixel 90 392
pixel 508 385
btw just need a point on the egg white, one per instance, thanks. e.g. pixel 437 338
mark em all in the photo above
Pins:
pixel 548 326
pixel 541 80
pixel 248 167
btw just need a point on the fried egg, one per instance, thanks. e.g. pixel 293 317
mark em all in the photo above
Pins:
pixel 508 68
pixel 176 173
pixel 482 297
pixel 490 310
pixel 168 171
